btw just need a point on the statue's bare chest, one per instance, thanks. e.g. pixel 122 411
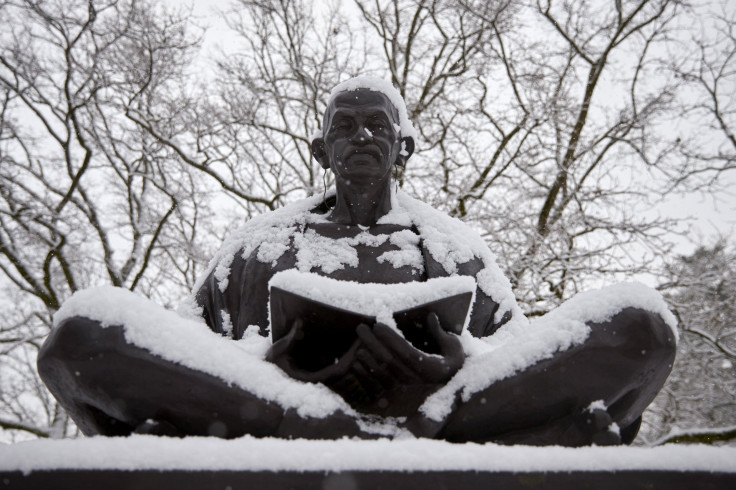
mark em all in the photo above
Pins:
pixel 381 254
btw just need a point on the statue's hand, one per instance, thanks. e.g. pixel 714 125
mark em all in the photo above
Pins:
pixel 338 376
pixel 281 354
pixel 387 362
pixel 381 372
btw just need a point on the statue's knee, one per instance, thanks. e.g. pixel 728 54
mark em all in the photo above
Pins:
pixel 78 337
pixel 645 332
pixel 634 341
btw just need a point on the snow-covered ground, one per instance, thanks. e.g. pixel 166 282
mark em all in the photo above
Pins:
pixel 247 453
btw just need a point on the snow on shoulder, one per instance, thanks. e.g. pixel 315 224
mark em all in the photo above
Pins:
pixel 270 233
pixel 385 87
pixel 448 240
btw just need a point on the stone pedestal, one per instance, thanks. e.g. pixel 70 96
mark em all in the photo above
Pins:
pixel 143 462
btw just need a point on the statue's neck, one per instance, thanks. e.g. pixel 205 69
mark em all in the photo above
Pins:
pixel 361 206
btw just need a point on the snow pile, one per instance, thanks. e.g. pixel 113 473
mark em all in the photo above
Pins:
pixel 247 453
pixel 377 300
pixel 192 344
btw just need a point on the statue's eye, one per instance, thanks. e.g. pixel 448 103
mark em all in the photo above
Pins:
pixel 376 125
pixel 341 125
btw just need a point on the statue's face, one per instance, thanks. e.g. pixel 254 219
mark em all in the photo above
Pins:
pixel 362 139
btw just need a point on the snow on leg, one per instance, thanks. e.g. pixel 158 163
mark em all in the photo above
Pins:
pixel 623 364
pixel 112 387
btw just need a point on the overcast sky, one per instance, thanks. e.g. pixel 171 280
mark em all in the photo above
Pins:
pixel 711 216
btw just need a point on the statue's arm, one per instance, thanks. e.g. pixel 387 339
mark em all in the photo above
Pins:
pixel 221 307
pixel 484 320
pixel 210 299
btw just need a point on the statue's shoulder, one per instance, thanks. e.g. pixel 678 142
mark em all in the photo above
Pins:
pixel 459 250
pixel 450 241
pixel 268 235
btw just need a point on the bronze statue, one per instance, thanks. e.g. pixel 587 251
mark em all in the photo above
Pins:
pixel 590 388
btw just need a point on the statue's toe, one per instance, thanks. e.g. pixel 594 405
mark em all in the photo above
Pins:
pixel 157 428
pixel 600 427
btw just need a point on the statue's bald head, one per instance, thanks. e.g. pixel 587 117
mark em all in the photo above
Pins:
pixel 361 99
pixel 376 85
pixel 365 101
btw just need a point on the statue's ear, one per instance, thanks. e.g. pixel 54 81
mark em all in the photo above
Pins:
pixel 407 149
pixel 319 152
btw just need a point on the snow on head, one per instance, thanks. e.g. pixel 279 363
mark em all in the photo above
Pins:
pixel 385 87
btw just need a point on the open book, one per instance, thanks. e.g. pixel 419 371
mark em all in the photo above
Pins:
pixel 329 330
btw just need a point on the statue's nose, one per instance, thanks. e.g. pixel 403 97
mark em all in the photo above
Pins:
pixel 361 136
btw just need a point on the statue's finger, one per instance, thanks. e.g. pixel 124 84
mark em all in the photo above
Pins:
pixel 279 351
pixel 377 346
pixel 297 330
pixel 379 370
pixel 349 388
pixel 342 366
pixel 398 345
pixel 427 367
pixel 367 336
pixel 369 383
pixel 449 344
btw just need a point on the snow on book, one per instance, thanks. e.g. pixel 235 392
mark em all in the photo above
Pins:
pixel 331 310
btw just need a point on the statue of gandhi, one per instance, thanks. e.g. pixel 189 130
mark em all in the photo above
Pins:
pixel 590 392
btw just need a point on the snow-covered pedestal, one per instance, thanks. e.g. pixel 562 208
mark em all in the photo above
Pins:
pixel 151 462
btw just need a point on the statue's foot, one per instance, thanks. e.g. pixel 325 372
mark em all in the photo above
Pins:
pixel 600 427
pixel 158 428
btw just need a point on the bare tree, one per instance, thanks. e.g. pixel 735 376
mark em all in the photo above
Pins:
pixel 249 129
pixel 536 122
pixel 86 197
pixel 698 403
pixel 707 65
pixel 544 124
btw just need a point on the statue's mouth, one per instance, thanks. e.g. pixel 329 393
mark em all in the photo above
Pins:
pixel 369 151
